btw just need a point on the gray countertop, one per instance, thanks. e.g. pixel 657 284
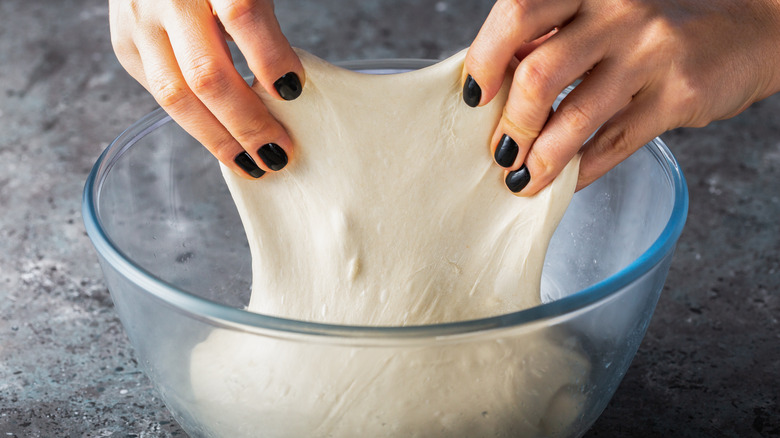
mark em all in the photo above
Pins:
pixel 709 365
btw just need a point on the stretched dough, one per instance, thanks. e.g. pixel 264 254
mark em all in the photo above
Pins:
pixel 392 211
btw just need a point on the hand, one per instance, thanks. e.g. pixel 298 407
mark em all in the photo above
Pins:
pixel 177 50
pixel 646 67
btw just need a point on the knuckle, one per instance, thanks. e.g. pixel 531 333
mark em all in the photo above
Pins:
pixel 518 130
pixel 169 94
pixel 256 131
pixel 690 98
pixel 205 76
pixel 687 101
pixel 614 141
pixel 225 149
pixel 124 48
pixel 686 97
pixel 575 118
pixel 661 37
pixel 517 8
pixel 684 89
pixel 661 29
pixel 542 164
pixel 236 11
pixel 119 42
pixel 135 9
pixel 122 29
pixel 534 79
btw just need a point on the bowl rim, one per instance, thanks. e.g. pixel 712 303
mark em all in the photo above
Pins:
pixel 221 315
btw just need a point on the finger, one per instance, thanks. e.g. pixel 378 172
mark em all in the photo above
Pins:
pixel 129 58
pixel 641 121
pixel 206 67
pixel 537 82
pixel 165 82
pixel 122 39
pixel 509 26
pixel 254 28
pixel 603 93
pixel 527 48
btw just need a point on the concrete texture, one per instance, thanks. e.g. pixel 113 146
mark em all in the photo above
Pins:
pixel 709 366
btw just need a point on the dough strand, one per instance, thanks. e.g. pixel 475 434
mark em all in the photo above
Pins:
pixel 392 211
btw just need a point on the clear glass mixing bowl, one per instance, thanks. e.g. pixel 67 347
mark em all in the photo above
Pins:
pixel 176 261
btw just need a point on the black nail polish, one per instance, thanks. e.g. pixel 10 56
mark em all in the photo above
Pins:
pixel 289 86
pixel 518 179
pixel 246 162
pixel 506 151
pixel 273 156
pixel 471 92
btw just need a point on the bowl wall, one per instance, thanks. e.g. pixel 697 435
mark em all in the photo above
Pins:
pixel 176 261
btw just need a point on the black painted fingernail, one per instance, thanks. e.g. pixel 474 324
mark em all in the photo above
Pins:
pixel 246 162
pixel 518 179
pixel 506 151
pixel 288 86
pixel 471 92
pixel 273 156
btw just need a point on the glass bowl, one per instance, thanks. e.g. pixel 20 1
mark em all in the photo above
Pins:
pixel 175 258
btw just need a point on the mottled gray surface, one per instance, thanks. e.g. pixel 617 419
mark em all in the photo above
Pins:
pixel 709 366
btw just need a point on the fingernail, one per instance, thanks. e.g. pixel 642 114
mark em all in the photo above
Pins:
pixel 518 179
pixel 288 86
pixel 506 151
pixel 246 162
pixel 471 92
pixel 273 156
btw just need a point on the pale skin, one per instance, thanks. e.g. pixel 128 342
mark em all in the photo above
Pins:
pixel 646 66
pixel 177 50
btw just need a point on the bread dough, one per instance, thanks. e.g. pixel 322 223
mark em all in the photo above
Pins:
pixel 519 385
pixel 391 212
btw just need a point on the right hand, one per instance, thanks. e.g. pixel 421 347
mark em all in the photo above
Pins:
pixel 646 67
pixel 177 50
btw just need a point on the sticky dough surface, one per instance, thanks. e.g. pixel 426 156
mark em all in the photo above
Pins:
pixel 392 211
